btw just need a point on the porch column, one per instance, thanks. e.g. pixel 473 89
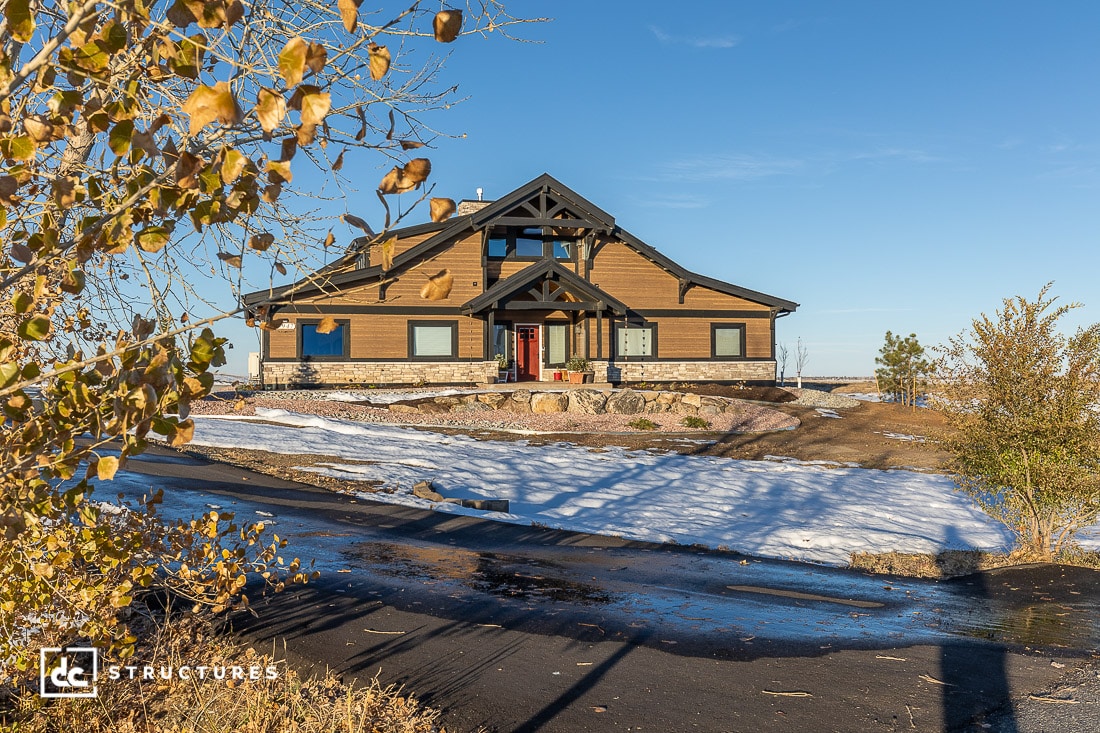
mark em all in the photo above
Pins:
pixel 599 331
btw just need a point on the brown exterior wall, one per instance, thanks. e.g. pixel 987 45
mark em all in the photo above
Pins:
pixel 618 269
pixel 378 342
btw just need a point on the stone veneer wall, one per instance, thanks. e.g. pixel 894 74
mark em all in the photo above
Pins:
pixel 284 373
pixel 689 371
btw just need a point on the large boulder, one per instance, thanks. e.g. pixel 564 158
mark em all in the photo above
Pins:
pixel 625 402
pixel 691 400
pixel 521 395
pixel 548 402
pixel 493 399
pixel 474 407
pixel 712 405
pixel 590 401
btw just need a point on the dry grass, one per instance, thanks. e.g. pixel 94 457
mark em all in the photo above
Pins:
pixel 290 703
pixel 955 563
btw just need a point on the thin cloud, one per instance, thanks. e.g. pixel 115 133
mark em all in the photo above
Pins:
pixel 668 39
pixel 676 201
pixel 729 167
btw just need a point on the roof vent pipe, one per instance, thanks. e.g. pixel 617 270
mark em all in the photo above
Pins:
pixel 479 192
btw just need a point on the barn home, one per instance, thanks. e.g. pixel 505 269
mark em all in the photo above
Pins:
pixel 534 277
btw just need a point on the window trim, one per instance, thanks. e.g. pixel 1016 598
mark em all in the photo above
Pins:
pixel 345 351
pixel 714 327
pixel 569 342
pixel 654 353
pixel 453 325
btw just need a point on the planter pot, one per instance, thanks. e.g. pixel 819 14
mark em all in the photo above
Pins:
pixel 589 377
pixel 576 377
pixel 558 376
pixel 502 376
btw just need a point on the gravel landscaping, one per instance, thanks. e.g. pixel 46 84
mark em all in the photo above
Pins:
pixel 454 410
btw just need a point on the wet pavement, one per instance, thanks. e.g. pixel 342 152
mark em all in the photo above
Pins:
pixel 459 581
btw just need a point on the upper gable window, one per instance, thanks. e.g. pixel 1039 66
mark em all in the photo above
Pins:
pixel 527 243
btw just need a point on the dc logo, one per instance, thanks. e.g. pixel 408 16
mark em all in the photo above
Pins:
pixel 70 671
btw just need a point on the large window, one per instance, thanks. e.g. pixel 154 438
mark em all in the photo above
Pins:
pixel 312 344
pixel 635 341
pixel 527 243
pixel 433 339
pixel 727 340
pixel 557 343
pixel 502 340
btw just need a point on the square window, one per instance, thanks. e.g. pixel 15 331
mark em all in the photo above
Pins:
pixel 728 341
pixel 432 340
pixel 634 341
pixel 528 246
pixel 563 250
pixel 322 344
pixel 498 247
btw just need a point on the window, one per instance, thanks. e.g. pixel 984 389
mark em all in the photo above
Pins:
pixel 529 243
pixel 557 343
pixel 433 339
pixel 635 341
pixel 727 340
pixel 502 340
pixel 563 250
pixel 313 344
pixel 498 247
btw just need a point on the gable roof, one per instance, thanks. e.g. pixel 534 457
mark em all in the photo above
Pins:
pixel 553 198
pixel 542 270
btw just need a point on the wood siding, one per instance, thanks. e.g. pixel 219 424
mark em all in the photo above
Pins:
pixel 621 270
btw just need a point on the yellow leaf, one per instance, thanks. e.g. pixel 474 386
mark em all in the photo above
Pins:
pixel 152 239
pixel 316 57
pixel 106 468
pixel 441 209
pixel 379 60
pixel 339 163
pixel 349 13
pixel 328 324
pixel 20 19
pixel 260 242
pixel 315 107
pixel 292 60
pixel 305 134
pixel 387 250
pixel 233 164
pixel 447 24
pixel 417 170
pixel 438 286
pixel 183 433
pixel 230 259
pixel 329 239
pixel 207 104
pixel 270 109
pixel 278 171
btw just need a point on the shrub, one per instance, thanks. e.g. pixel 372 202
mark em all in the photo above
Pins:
pixel 642 423
pixel 694 421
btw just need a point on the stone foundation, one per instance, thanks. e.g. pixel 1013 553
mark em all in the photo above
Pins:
pixel 288 374
pixel 689 371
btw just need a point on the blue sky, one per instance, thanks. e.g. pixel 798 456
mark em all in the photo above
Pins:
pixel 886 165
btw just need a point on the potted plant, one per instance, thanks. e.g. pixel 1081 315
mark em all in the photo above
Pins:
pixel 502 367
pixel 578 368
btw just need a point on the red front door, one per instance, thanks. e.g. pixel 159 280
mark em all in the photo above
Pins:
pixel 527 353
